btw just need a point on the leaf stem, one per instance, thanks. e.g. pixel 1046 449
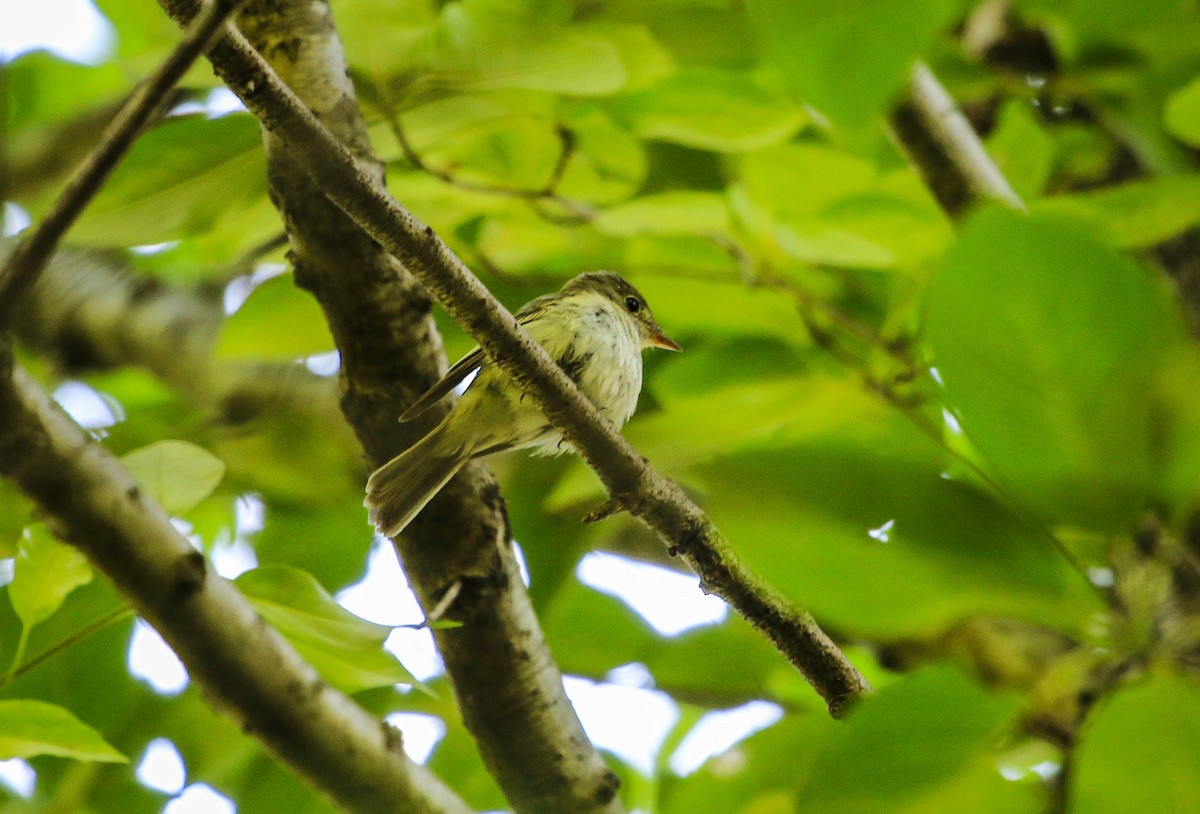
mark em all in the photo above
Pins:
pixel 17 669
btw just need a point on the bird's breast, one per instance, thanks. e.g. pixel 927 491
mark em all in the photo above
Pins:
pixel 605 360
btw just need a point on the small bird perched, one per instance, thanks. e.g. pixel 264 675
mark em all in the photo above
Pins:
pixel 595 328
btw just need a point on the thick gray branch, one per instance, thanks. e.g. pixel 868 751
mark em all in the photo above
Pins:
pixel 90 310
pixel 657 501
pixel 91 501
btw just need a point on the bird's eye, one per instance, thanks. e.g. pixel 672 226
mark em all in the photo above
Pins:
pixel 633 304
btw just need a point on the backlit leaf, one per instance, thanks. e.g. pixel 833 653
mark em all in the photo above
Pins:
pixel 46 572
pixel 32 728
pixel 345 649
pixel 177 474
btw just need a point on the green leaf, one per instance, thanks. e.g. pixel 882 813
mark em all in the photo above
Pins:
pixel 861 527
pixel 915 735
pixel 710 109
pixel 177 474
pixel 1021 149
pixel 1136 214
pixel 359 23
pixel 1182 114
pixel 47 571
pixel 568 62
pixel 846 68
pixel 277 321
pixel 522 242
pixel 759 775
pixel 43 89
pixel 643 58
pixel 1048 342
pixel 481 48
pixel 31 728
pixel 1140 750
pixel 820 205
pixel 797 181
pixel 179 179
pixel 345 649
pixel 608 164
pixel 666 213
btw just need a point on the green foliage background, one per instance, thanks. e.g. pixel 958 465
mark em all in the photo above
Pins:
pixel 943 438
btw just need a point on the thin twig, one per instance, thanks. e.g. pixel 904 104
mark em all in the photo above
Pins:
pixel 439 610
pixel 658 502
pixel 55 649
pixel 30 257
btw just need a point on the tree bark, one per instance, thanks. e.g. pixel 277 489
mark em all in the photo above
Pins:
pixel 505 679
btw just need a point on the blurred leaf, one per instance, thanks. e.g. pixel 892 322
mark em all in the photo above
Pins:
pixel 47 571
pixel 666 213
pixel 360 21
pixel 30 728
pixel 345 649
pixel 799 180
pixel 502 47
pixel 178 179
pixel 643 57
pixel 1139 751
pixel 326 536
pixel 759 775
pixel 1021 149
pixel 608 163
pixel 176 474
pixel 569 62
pixel 1135 214
pixel 14 517
pixel 1182 115
pixel 915 735
pixel 845 68
pixel 143 33
pixel 713 309
pixel 277 321
pixel 711 110
pixel 864 530
pixel 702 256
pixel 1048 341
pixel 826 206
pixel 42 88
pixel 523 243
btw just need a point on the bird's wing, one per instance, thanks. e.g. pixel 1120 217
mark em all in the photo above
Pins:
pixel 465 366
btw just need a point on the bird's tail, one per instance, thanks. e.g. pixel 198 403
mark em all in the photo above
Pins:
pixel 400 488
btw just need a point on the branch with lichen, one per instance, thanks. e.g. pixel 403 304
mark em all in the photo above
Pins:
pixel 90 500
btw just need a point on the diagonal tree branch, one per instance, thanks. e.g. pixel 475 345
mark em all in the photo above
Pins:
pixel 89 309
pixel 505 679
pixel 631 481
pixel 90 500
pixel 35 248
pixel 945 148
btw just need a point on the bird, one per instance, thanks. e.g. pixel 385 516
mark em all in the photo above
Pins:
pixel 595 327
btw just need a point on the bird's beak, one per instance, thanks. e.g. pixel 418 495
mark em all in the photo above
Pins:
pixel 659 340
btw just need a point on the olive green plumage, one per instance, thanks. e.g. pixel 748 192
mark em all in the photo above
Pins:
pixel 595 327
